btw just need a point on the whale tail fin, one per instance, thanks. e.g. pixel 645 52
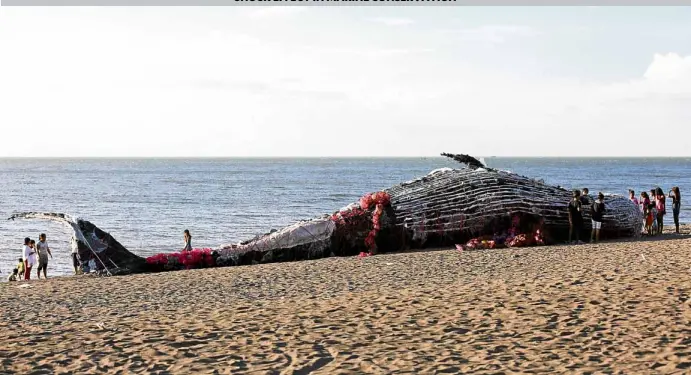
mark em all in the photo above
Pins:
pixel 109 254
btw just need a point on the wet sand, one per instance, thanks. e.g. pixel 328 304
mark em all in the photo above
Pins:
pixel 613 307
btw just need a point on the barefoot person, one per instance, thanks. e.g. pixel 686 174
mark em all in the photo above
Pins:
pixel 13 276
pixel 575 217
pixel 675 195
pixel 29 258
pixel 188 241
pixel 661 208
pixel 76 264
pixel 597 211
pixel 43 252
pixel 20 267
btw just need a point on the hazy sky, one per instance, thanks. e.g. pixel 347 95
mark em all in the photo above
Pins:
pixel 345 81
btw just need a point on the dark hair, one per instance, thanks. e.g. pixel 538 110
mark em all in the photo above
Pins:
pixel 600 195
pixel 677 192
pixel 27 240
pixel 20 260
pixel 15 271
pixel 32 241
pixel 187 232
pixel 42 235
pixel 644 194
pixel 632 192
pixel 576 193
pixel 585 190
pixel 659 191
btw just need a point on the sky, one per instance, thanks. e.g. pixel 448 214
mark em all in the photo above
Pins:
pixel 345 81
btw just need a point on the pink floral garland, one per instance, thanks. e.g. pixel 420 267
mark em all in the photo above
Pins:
pixel 378 200
pixel 196 258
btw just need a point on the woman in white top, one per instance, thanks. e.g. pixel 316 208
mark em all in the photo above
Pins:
pixel 29 257
pixel 75 255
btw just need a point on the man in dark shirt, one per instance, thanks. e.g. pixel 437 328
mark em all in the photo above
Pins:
pixel 585 198
pixel 597 211
pixel 575 217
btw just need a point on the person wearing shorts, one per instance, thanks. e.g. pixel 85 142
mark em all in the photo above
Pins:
pixel 76 263
pixel 43 252
pixel 597 211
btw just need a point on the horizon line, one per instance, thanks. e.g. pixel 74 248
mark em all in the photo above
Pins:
pixel 344 157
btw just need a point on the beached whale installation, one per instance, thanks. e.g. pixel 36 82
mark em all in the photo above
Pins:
pixel 474 205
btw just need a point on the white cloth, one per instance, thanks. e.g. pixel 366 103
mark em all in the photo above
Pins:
pixel 597 224
pixel 28 256
pixel 92 265
pixel 74 245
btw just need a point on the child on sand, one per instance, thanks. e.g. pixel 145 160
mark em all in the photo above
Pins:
pixel 20 267
pixel 13 276
pixel 647 213
pixel 575 217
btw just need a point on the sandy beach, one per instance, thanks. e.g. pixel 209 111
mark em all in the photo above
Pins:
pixel 611 307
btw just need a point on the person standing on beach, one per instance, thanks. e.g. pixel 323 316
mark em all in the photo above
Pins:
pixel 188 241
pixel 76 264
pixel 43 252
pixel 632 197
pixel 653 210
pixel 575 217
pixel 29 258
pixel 585 198
pixel 660 207
pixel 676 206
pixel 597 211
pixel 647 214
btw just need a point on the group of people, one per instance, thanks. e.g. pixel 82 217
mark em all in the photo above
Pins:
pixel 654 208
pixel 579 201
pixel 34 255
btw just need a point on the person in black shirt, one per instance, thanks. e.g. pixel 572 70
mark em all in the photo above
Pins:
pixel 575 217
pixel 597 211
pixel 676 206
pixel 585 198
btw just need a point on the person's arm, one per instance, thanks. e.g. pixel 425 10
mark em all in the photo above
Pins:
pixel 49 253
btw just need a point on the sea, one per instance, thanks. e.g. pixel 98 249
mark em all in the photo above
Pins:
pixel 146 204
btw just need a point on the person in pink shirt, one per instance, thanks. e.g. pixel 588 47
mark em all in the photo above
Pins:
pixel 660 206
pixel 632 197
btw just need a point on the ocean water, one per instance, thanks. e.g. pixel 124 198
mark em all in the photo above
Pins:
pixel 146 204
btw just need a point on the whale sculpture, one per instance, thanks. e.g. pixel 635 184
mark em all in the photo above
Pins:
pixel 446 207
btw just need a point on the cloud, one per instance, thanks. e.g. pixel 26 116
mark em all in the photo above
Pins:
pixel 390 21
pixel 668 68
pixel 494 33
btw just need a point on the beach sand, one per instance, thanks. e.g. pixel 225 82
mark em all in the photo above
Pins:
pixel 611 307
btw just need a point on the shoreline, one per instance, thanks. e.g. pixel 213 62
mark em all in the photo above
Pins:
pixel 611 306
